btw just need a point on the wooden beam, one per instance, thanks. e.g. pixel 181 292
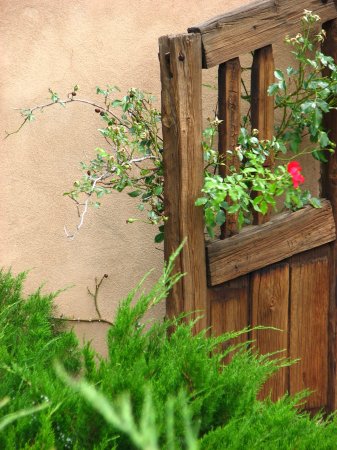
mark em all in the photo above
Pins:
pixel 263 107
pixel 329 190
pixel 263 104
pixel 258 246
pixel 255 25
pixel 180 64
pixel 229 96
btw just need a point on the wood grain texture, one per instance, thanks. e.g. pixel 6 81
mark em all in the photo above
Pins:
pixel 255 25
pixel 263 104
pixel 269 307
pixel 263 107
pixel 230 308
pixel 329 190
pixel 229 98
pixel 309 307
pixel 259 246
pixel 180 64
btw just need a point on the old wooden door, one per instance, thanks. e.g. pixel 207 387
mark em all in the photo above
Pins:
pixel 281 273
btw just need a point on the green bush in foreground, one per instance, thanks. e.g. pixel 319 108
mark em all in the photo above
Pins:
pixel 155 390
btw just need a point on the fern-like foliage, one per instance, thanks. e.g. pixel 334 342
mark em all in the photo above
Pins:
pixel 161 386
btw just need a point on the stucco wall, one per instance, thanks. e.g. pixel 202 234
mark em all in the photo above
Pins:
pixel 48 44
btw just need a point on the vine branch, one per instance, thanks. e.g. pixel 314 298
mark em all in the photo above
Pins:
pixel 71 99
pixel 94 295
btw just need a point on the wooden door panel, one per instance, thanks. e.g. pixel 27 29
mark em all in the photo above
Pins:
pixel 269 307
pixel 292 296
pixel 229 307
pixel 309 292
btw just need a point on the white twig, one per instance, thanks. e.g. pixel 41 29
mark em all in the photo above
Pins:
pixel 85 207
pixel 144 158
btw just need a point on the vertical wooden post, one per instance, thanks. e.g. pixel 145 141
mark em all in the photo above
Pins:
pixel 329 190
pixel 229 301
pixel 181 78
pixel 263 104
pixel 229 94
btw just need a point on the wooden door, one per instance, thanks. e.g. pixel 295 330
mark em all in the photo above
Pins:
pixel 279 272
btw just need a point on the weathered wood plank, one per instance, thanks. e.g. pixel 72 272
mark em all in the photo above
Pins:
pixel 269 307
pixel 263 106
pixel 229 95
pixel 230 308
pixel 309 293
pixel 256 247
pixel 174 303
pixel 180 63
pixel 329 190
pixel 255 25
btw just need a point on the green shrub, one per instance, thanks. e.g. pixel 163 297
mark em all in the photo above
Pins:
pixel 177 384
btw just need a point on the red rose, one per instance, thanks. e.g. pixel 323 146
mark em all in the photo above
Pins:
pixel 295 169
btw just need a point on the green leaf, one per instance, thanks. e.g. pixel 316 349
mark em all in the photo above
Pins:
pixel 308 106
pixel 159 238
pixel 295 143
pixel 264 207
pixel 273 88
pixel 315 202
pixel 291 71
pixel 134 193
pixel 220 218
pixel 323 139
pixel 116 103
pixel 158 190
pixel 209 217
pixel 201 201
pixel 233 208
pixel 257 200
pixel 319 155
pixel 279 75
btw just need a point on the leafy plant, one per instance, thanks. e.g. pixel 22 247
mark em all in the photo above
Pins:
pixel 160 385
pixel 252 187
pixel 303 94
pixel 135 161
pixel 120 415
pixel 132 160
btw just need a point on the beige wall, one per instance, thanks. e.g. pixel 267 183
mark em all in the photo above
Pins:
pixel 48 43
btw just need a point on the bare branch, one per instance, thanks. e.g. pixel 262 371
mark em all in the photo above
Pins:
pixel 61 102
pixel 143 158
pixel 95 295
pixel 85 206
pixel 72 319
pixel 15 131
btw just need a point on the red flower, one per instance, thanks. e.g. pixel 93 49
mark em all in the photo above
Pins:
pixel 294 169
